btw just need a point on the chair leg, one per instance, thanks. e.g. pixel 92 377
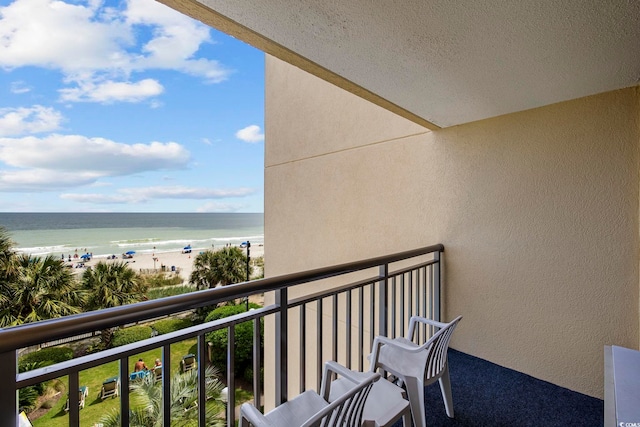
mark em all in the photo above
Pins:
pixel 415 392
pixel 445 388
pixel 406 419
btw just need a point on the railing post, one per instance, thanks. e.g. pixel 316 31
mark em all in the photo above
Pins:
pixel 281 346
pixel 166 385
pixel 383 303
pixel 437 303
pixel 8 392
pixel 231 375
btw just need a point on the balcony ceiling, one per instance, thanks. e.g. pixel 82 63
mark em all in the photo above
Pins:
pixel 442 63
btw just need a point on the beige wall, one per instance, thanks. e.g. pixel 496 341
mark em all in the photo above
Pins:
pixel 538 212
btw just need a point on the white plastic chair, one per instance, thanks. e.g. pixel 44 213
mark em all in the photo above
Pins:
pixel 385 405
pixel 310 409
pixel 416 366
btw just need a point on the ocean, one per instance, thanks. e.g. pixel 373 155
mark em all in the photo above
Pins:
pixel 105 234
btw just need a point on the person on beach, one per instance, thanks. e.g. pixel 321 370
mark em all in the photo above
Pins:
pixel 158 363
pixel 140 366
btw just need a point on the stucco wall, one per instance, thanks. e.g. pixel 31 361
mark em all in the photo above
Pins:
pixel 538 212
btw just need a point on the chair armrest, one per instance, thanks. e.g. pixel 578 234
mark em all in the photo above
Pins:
pixel 331 367
pixel 249 413
pixel 380 341
pixel 419 319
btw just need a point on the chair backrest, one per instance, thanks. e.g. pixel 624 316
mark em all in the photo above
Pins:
pixel 157 373
pixel 110 384
pixel 437 347
pixel 347 409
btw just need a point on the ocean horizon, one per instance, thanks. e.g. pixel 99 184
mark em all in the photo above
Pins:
pixel 104 234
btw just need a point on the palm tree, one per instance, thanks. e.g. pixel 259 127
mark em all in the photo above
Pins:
pixel 37 289
pixel 8 269
pixel 147 402
pixel 224 266
pixel 111 285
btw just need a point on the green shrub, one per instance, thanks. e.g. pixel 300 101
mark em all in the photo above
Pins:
pixel 27 399
pixel 160 279
pixel 171 325
pixel 131 334
pixel 157 293
pixel 46 356
pixel 243 338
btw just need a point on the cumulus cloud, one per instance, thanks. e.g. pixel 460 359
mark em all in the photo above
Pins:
pixel 109 91
pixel 57 161
pixel 251 133
pixel 113 45
pixel 28 120
pixel 145 194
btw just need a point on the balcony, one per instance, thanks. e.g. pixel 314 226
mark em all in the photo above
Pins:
pixel 350 304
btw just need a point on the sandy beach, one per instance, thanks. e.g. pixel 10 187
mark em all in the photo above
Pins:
pixel 183 262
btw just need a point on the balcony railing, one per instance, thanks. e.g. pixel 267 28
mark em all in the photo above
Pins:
pixel 351 303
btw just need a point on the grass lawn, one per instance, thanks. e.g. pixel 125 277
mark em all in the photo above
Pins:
pixel 93 378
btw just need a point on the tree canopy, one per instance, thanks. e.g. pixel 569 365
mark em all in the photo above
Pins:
pixel 225 266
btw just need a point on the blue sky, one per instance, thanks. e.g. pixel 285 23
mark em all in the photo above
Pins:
pixel 126 106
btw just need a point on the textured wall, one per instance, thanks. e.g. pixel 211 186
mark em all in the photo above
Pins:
pixel 538 212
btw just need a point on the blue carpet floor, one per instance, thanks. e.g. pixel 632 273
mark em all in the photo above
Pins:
pixel 485 394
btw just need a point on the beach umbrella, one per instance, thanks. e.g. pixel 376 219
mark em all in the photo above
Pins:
pixel 130 252
pixel 85 256
pixel 187 247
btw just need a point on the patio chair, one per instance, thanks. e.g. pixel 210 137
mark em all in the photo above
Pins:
pixel 157 373
pixel 416 366
pixel 110 388
pixel 83 392
pixel 187 363
pixel 385 405
pixel 310 409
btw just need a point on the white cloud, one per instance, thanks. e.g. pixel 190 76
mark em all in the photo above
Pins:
pixel 110 91
pixel 220 207
pixel 250 134
pixel 19 87
pixel 55 161
pixel 23 120
pixel 145 194
pixel 96 47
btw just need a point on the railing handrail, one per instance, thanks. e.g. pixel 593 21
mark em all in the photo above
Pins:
pixel 13 338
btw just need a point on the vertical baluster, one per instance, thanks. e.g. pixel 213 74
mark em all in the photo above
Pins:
pixel 166 384
pixel 410 296
pixel 394 291
pixel 334 329
pixel 231 380
pixel 403 320
pixel 348 331
pixel 257 363
pixel 8 392
pixel 417 303
pixel 372 311
pixel 202 380
pixel 319 361
pixel 74 402
pixel 383 303
pixel 124 391
pixel 360 328
pixel 281 346
pixel 437 270
pixel 424 301
pixel 303 348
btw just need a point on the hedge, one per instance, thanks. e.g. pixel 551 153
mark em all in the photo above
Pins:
pixel 47 356
pixel 243 338
pixel 171 325
pixel 131 334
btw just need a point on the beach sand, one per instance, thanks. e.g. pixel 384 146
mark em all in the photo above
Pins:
pixel 144 262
